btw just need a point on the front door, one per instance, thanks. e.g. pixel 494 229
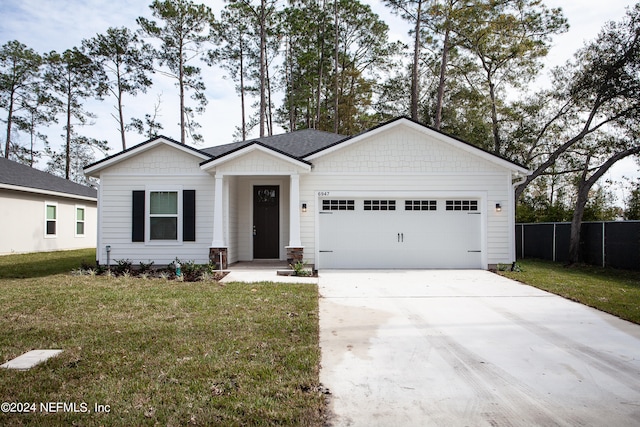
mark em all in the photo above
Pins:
pixel 266 222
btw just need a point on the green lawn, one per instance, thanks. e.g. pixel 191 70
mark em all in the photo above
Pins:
pixel 613 291
pixel 158 352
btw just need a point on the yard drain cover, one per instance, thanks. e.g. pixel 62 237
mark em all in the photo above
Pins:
pixel 30 359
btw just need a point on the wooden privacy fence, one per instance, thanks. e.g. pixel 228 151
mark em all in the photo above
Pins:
pixel 606 243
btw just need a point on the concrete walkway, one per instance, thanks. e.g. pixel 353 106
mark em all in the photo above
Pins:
pixel 263 271
pixel 470 348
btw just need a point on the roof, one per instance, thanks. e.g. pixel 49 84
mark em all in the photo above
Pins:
pixel 301 145
pixel 22 177
pixel 297 144
pixel 416 124
pixel 131 151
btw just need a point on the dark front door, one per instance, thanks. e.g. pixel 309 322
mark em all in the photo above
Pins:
pixel 266 222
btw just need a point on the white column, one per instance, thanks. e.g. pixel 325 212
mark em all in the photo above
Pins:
pixel 218 214
pixel 294 212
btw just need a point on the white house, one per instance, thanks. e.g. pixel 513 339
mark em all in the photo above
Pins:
pixel 42 212
pixel 400 195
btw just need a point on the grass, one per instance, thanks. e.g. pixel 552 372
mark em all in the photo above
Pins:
pixel 614 291
pixel 158 352
pixel 41 264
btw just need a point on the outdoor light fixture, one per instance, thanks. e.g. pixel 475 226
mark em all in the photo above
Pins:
pixel 304 207
pixel 498 207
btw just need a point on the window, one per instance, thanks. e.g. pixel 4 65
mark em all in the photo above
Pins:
pixel 51 219
pixel 379 205
pixel 462 205
pixel 338 205
pixel 163 215
pixel 79 221
pixel 420 205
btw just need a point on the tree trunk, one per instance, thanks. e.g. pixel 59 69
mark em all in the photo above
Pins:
pixel 8 140
pixel 183 134
pixel 244 123
pixel 263 46
pixel 415 65
pixel 320 65
pixel 336 119
pixel 442 81
pixel 576 223
pixel 67 166
pixel 584 185
pixel 494 118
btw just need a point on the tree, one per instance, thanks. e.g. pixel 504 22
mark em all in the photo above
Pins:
pixel 40 108
pixel 150 122
pixel 632 212
pixel 263 17
pixel 333 88
pixel 597 90
pixel 586 180
pixel 184 30
pixel 412 11
pixel 82 149
pixel 232 53
pixel 507 38
pixel 19 73
pixel 72 77
pixel 126 62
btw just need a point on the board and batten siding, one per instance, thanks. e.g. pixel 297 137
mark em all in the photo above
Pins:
pixel 396 163
pixel 163 167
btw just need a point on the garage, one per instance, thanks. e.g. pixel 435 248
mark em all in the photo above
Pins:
pixel 400 232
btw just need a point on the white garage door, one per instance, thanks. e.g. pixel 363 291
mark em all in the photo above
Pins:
pixel 400 233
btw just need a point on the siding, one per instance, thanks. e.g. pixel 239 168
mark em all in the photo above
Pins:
pixel 22 223
pixel 398 161
pixel 163 166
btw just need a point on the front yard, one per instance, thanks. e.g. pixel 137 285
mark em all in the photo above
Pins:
pixel 158 352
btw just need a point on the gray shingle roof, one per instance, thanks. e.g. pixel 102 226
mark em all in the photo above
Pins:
pixel 13 173
pixel 296 144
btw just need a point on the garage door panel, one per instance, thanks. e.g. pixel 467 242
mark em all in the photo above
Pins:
pixel 400 238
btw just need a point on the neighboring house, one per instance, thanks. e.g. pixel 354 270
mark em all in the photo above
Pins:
pixel 43 212
pixel 400 195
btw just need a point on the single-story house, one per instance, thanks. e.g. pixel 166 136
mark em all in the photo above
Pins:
pixel 400 195
pixel 43 212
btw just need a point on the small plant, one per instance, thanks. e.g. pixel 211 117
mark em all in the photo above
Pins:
pixel 509 267
pixel 146 267
pixel 300 268
pixel 122 266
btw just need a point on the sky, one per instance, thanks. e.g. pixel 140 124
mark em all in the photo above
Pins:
pixel 46 25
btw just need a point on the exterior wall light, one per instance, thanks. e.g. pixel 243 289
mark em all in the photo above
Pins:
pixel 498 207
pixel 304 207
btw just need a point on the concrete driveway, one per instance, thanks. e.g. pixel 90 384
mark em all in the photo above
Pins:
pixel 470 348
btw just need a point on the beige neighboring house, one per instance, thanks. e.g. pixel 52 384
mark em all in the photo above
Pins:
pixel 42 212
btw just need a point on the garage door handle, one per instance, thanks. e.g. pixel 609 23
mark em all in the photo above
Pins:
pixel 474 251
pixel 400 237
pixel 324 252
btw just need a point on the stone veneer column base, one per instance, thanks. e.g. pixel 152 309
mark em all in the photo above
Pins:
pixel 214 257
pixel 295 254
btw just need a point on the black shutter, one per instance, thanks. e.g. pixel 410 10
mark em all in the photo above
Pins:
pixel 189 215
pixel 137 217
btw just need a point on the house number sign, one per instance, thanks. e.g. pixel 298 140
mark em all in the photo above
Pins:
pixel 323 193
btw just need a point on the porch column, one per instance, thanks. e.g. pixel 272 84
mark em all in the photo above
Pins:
pixel 218 250
pixel 218 214
pixel 294 212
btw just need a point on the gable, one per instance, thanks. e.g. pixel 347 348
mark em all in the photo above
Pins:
pixel 161 159
pixel 256 160
pixel 403 149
